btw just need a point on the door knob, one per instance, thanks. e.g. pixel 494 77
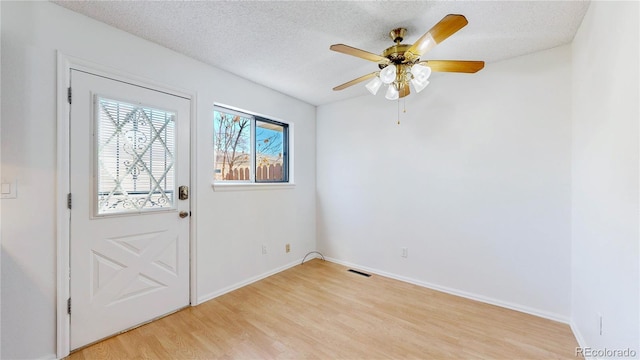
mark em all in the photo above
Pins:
pixel 183 214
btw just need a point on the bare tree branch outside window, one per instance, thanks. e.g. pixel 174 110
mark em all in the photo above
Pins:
pixel 268 144
pixel 234 150
pixel 232 143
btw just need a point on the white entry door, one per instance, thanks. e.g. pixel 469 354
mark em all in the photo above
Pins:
pixel 129 249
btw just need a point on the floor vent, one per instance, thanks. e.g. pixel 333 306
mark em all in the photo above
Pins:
pixel 359 273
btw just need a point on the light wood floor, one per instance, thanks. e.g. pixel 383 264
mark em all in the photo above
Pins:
pixel 319 310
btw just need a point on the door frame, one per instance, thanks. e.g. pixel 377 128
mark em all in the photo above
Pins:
pixel 65 64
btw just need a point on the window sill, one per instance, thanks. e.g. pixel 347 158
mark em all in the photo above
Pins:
pixel 251 186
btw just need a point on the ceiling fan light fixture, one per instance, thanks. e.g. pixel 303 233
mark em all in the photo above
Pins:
pixel 419 85
pixel 374 85
pixel 400 67
pixel 420 72
pixel 392 93
pixel 388 74
pixel 407 75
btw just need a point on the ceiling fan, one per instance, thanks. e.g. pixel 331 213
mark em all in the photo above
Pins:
pixel 400 64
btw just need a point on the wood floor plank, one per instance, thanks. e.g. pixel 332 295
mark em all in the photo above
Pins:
pixel 319 310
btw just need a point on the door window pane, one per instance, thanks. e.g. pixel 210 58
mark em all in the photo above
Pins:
pixel 135 147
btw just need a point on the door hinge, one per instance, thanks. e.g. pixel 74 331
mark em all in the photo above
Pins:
pixel 69 201
pixel 69 94
pixel 69 306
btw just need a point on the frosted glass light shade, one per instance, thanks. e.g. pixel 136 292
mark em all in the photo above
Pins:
pixel 392 93
pixel 388 74
pixel 419 85
pixel 374 85
pixel 421 72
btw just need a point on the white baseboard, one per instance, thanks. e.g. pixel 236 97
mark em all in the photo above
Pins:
pixel 246 282
pixel 578 335
pixel 456 292
pixel 579 338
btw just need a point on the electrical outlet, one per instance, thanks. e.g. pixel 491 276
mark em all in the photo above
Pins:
pixel 405 252
pixel 287 248
pixel 264 249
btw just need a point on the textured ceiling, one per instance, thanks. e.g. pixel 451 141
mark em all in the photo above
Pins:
pixel 285 44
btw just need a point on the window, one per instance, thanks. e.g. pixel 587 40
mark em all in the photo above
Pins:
pixel 249 148
pixel 135 157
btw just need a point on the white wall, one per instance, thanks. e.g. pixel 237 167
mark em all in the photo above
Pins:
pixel 231 226
pixel 605 194
pixel 0 179
pixel 475 182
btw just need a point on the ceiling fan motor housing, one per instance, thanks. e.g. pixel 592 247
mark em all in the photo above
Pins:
pixel 396 53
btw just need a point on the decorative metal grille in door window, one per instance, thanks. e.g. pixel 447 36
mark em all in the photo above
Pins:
pixel 136 148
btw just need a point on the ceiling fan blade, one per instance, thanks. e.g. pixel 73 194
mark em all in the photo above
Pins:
pixel 448 26
pixel 404 91
pixel 346 49
pixel 461 66
pixel 355 81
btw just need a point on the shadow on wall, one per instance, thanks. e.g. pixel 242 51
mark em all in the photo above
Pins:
pixel 22 298
pixel 323 244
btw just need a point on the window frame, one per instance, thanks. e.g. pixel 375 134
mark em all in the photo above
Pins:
pixel 252 183
pixel 285 149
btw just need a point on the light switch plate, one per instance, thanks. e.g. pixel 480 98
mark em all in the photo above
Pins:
pixel 8 190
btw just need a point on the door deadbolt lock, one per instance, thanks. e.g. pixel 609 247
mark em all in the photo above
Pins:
pixel 183 192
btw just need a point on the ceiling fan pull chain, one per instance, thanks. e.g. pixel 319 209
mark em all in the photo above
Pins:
pixel 398 111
